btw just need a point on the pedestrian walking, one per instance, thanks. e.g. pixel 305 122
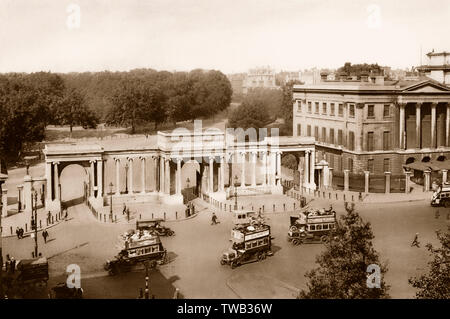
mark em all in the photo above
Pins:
pixel 7 263
pixel 124 210
pixel 214 219
pixel 18 232
pixel 416 241
pixel 45 235
pixel 12 265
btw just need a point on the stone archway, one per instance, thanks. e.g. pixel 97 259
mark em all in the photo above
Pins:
pixel 190 177
pixel 74 181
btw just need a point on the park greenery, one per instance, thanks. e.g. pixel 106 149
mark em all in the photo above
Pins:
pixel 342 271
pixel 360 69
pixel 31 102
pixel 436 283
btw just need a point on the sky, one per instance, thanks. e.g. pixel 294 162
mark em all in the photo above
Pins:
pixel 231 36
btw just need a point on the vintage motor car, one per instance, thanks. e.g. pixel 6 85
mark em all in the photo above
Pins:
pixel 154 226
pixel 61 291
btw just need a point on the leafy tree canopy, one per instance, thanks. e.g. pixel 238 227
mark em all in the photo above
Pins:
pixel 342 271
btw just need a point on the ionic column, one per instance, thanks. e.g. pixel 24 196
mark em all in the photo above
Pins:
pixel 48 176
pixel 92 179
pixel 418 125
pixel 167 176
pixel 444 176
pixel 55 172
pixel 130 175
pixel 278 172
pixel 162 182
pixel 307 170
pixel 346 179
pixel 388 182
pixel 330 177
pixel 211 174
pixel 99 179
pixel 222 173
pixel 366 181
pixel 156 175
pixel 243 170
pixel 143 174
pixel 402 142
pixel 4 200
pixel 117 160
pixel 433 125
pixel 178 177
pixel 265 168
pixel 447 125
pixel 312 166
pixel 253 154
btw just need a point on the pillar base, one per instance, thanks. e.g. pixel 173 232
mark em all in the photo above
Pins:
pixel 220 196
pixel 276 189
pixel 97 202
pixel 172 199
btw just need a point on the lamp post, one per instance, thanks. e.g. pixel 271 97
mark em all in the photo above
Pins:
pixel 110 201
pixel 235 192
pixel 34 208
pixel 126 178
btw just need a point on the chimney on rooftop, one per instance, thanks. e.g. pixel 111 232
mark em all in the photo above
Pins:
pixel 379 80
pixel 323 76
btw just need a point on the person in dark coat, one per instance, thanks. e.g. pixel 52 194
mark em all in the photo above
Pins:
pixel 45 235
pixel 416 241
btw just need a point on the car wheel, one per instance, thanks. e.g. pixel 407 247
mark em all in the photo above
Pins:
pixel 296 242
pixel 293 228
pixel 222 262
pixel 324 239
pixel 233 265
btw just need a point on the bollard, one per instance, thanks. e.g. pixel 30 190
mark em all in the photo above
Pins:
pixel 10 229
pixel 252 207
pixel 100 217
pixel 26 227
pixel 329 195
pixel 53 220
pixel 263 207
pixel 273 207
pixel 176 215
pixel 336 196
pixel 242 208
pixel 152 215
pixel 40 223
pixel 344 197
pixel 284 206
pixel 294 206
pixel 352 199
pixel 115 218
pixel 140 217
pixel 164 215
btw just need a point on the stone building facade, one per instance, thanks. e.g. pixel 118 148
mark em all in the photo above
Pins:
pixel 374 126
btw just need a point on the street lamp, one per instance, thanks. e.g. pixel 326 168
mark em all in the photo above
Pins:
pixel 110 201
pixel 34 209
pixel 126 177
pixel 187 182
pixel 235 192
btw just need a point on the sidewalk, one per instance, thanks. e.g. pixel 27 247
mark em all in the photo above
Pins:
pixel 370 198
pixel 23 220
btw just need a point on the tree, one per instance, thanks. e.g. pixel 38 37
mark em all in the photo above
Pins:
pixel 342 271
pixel 252 113
pixel 286 109
pixel 136 101
pixel 72 110
pixel 436 283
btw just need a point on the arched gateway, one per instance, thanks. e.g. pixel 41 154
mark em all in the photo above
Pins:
pixel 150 168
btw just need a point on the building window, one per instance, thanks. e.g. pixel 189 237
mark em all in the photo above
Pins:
pixel 351 141
pixel 387 165
pixel 386 137
pixel 331 162
pixel 341 110
pixel 340 140
pixel 370 166
pixel 370 141
pixel 309 107
pixel 331 135
pixel 352 110
pixel 299 130
pixel 324 108
pixel 340 163
pixel 299 106
pixel 386 112
pixel 332 109
pixel 317 108
pixel 308 130
pixel 316 132
pixel 324 134
pixel 350 165
pixel 371 111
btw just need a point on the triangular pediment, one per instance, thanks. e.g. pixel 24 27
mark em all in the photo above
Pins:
pixel 427 87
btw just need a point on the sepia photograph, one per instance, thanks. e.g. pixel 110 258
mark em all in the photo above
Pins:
pixel 224 155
